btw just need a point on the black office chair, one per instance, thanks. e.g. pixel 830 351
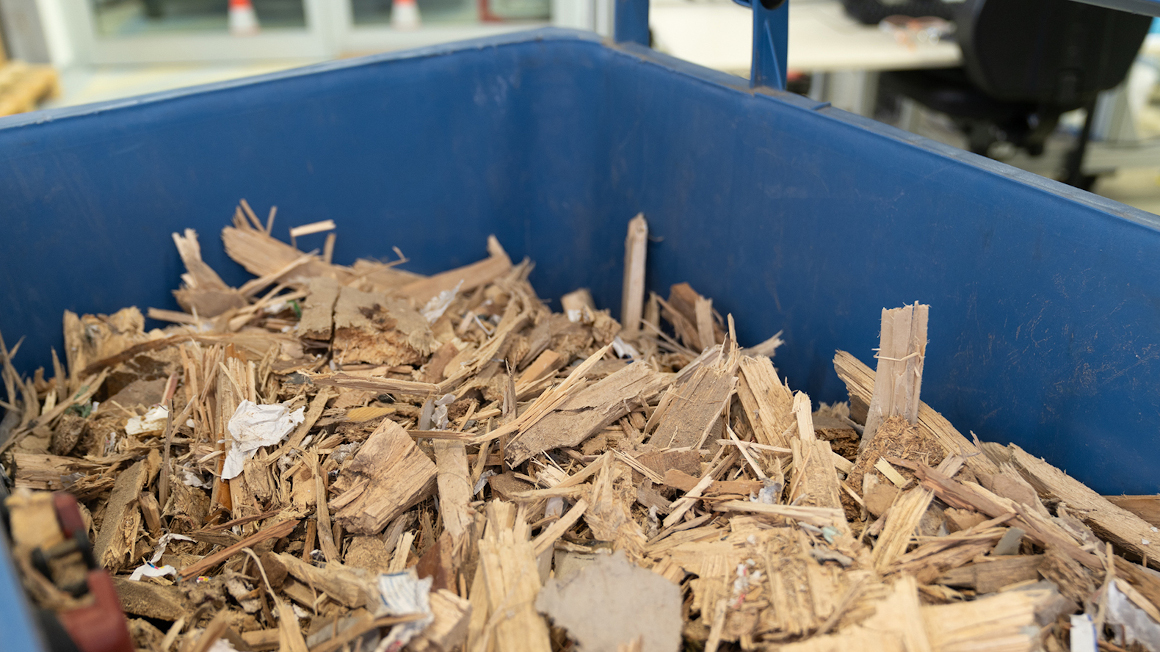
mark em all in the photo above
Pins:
pixel 1025 63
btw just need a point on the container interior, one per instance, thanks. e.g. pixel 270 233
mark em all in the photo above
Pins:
pixel 794 217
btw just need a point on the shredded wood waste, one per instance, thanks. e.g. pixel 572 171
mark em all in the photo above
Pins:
pixel 361 458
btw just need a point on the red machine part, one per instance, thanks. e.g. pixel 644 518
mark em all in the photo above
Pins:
pixel 101 626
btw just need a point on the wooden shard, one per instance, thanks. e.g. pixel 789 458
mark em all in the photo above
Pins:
pixel 317 322
pixel 507 585
pixel 386 477
pixel 632 294
pixel 1122 528
pixel 859 381
pixel 588 411
pixel 203 293
pixel 768 402
pixel 375 329
pixel 690 409
pixel 118 532
pixel 898 380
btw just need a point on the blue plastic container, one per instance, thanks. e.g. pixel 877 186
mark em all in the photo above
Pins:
pixel 1045 300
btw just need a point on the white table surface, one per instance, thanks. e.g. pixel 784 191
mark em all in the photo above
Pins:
pixel 821 38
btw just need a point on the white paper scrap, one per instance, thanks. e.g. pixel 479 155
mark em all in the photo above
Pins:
pixel 163 543
pixel 149 570
pixel 254 426
pixel 153 421
pixel 439 303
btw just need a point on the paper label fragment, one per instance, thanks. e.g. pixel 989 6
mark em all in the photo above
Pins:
pixel 402 594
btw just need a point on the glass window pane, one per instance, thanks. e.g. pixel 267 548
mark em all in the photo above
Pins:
pixel 378 12
pixel 119 18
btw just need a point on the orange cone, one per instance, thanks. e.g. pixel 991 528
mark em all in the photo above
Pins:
pixel 243 20
pixel 405 14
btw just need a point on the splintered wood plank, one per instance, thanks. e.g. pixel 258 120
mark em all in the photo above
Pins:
pixel 632 294
pixel 588 411
pixel 904 516
pixel 512 582
pixel 682 312
pixel 387 476
pixel 1005 621
pixel 898 380
pixel 317 321
pixel 203 291
pixel 695 403
pixel 454 482
pixel 118 531
pixel 466 278
pixel 375 329
pixel 1146 507
pixel 767 401
pixel 994 573
pixel 814 481
pixel 544 364
pixel 897 625
pixel 859 381
pixel 1122 528
pixel 1040 529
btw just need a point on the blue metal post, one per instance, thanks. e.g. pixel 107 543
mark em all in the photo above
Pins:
pixel 632 22
pixel 770 39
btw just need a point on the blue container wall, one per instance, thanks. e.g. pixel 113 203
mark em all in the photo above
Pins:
pixel 1044 322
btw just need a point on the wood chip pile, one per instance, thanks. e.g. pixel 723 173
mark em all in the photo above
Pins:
pixel 362 458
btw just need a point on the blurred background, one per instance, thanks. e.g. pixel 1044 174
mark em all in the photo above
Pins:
pixel 959 72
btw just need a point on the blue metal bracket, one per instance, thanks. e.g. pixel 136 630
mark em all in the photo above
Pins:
pixel 770 35
pixel 770 41
pixel 632 22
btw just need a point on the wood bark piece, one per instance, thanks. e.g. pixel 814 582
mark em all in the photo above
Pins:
pixel 613 602
pixel 387 476
pixel 118 531
pixel 693 405
pixel 898 380
pixel 375 329
pixel 1122 528
pixel 632 293
pixel 767 401
pixel 859 381
pixel 587 412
